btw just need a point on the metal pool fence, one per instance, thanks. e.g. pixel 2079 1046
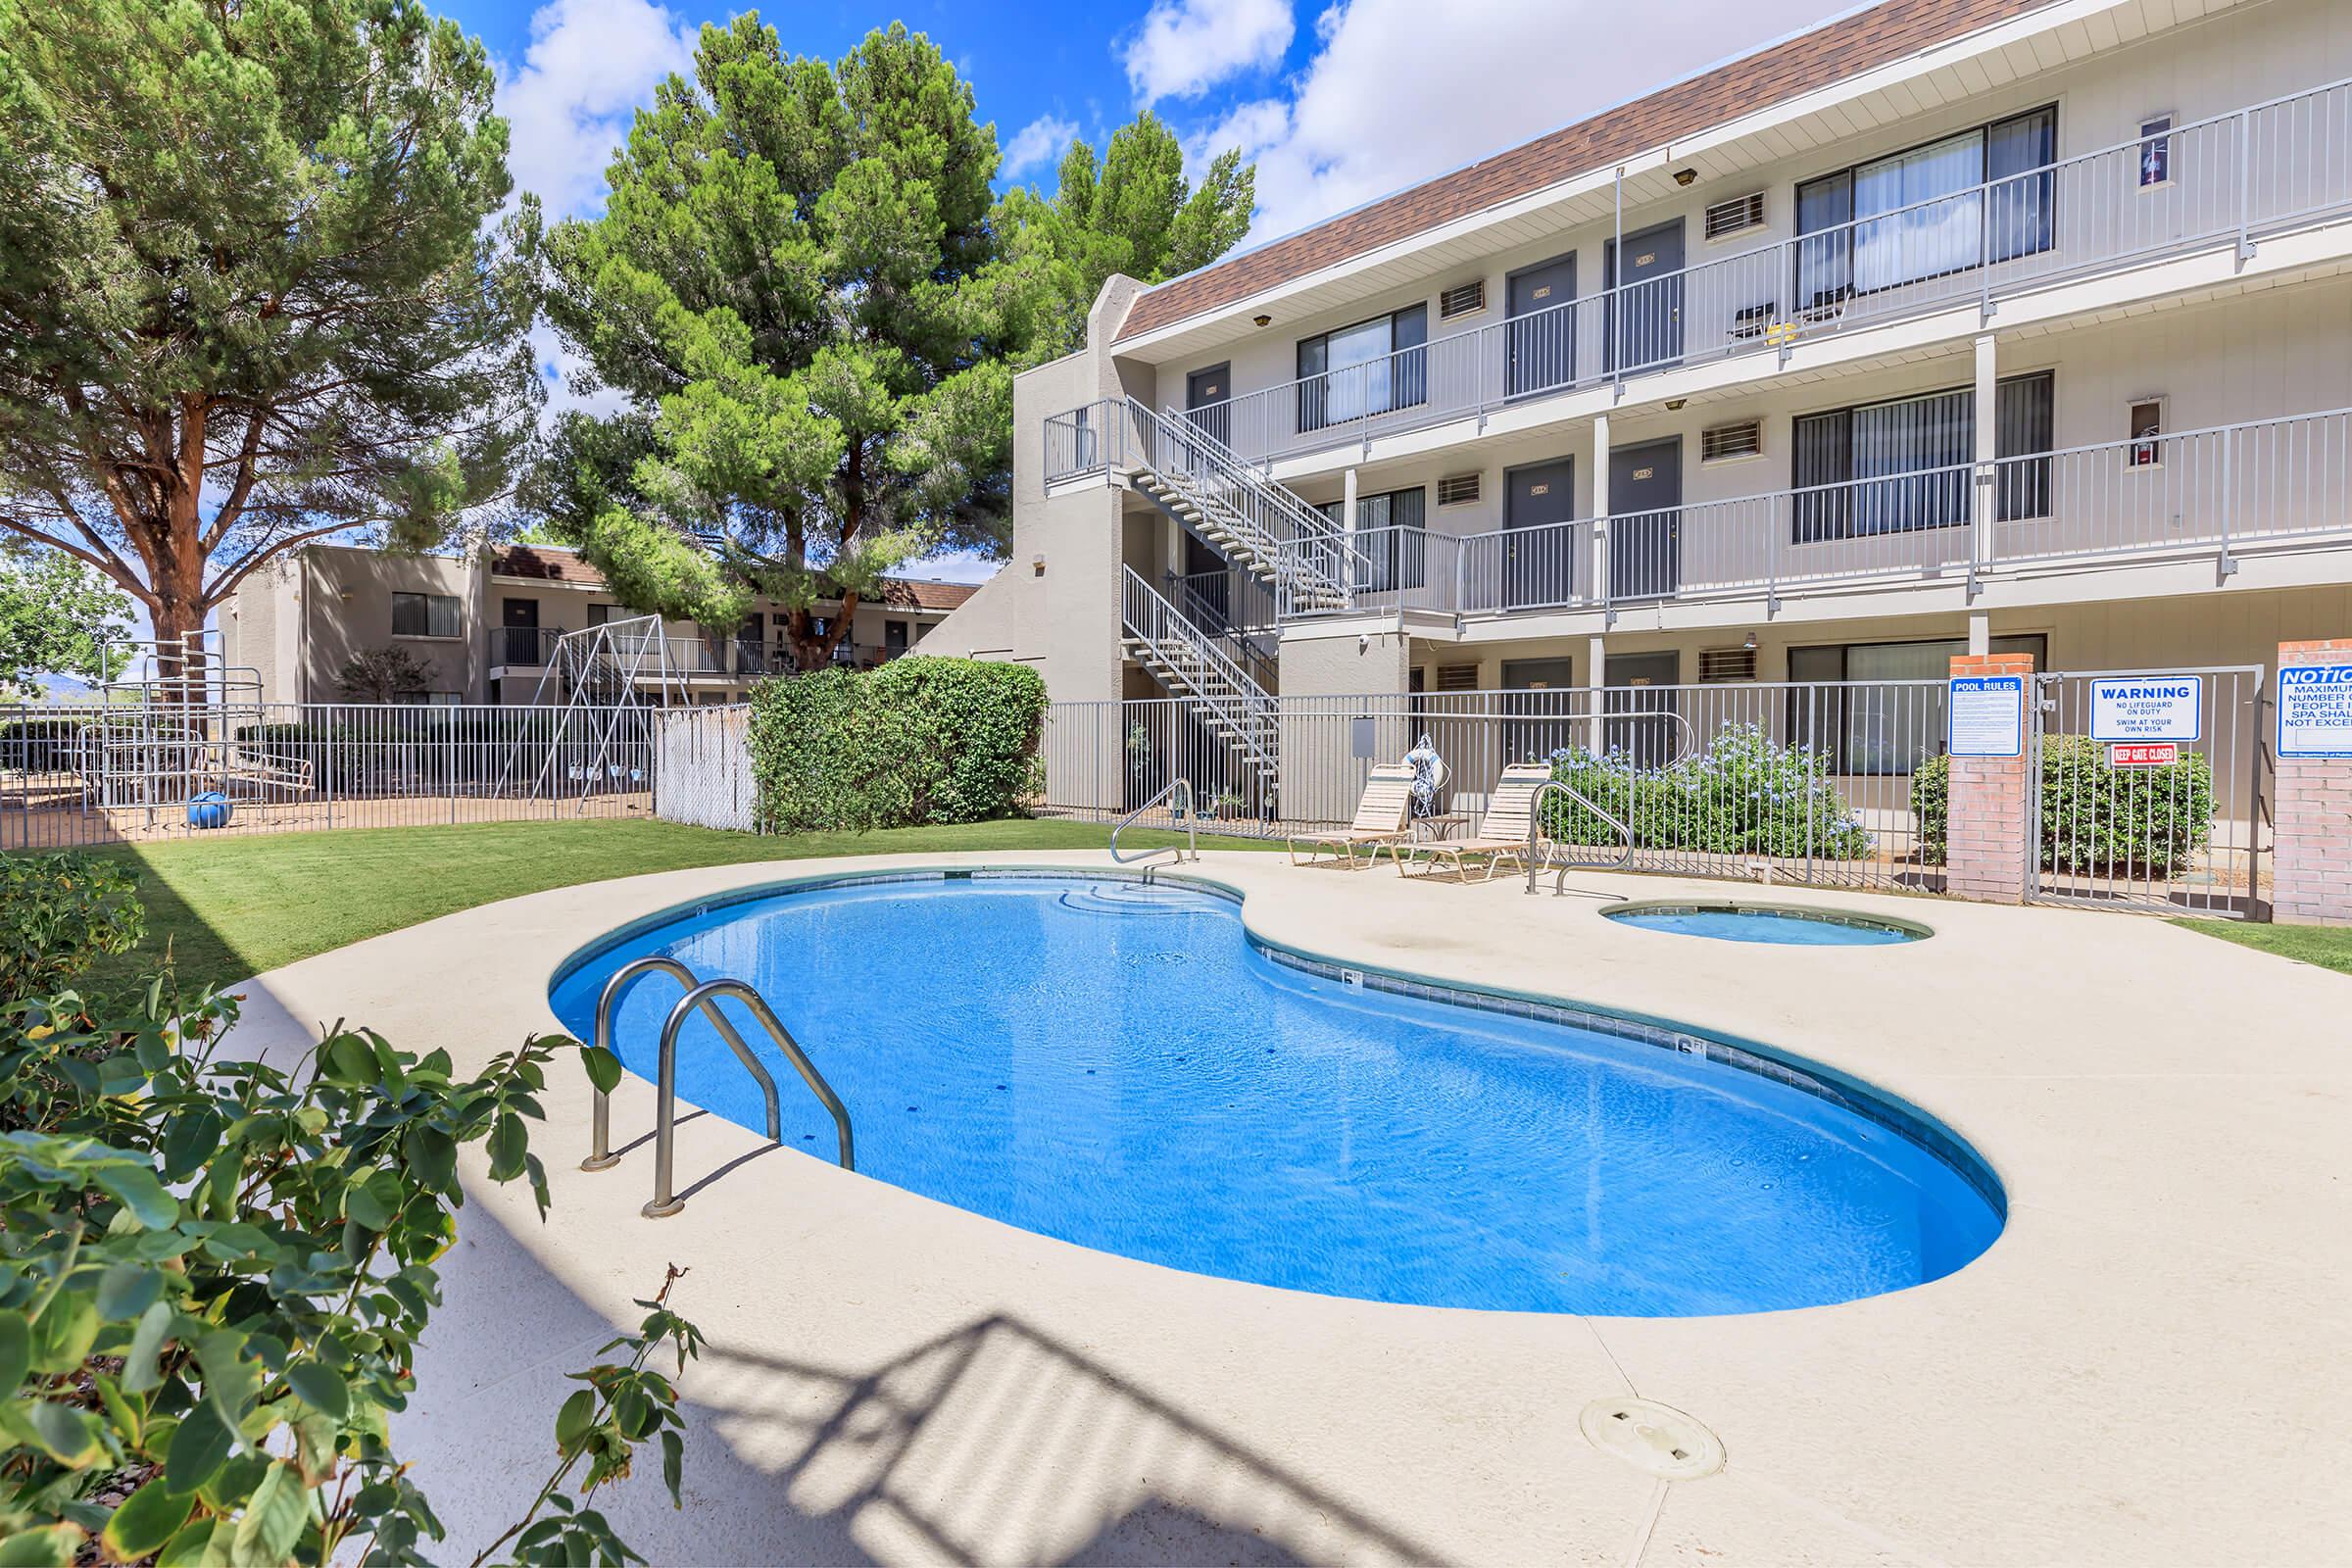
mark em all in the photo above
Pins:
pixel 2151 790
pixel 87 775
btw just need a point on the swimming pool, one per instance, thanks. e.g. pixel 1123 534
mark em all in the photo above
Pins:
pixel 1119 1065
pixel 1783 925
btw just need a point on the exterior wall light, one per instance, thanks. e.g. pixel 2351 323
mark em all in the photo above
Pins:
pixel 1037 565
pixel 1263 320
pixel 1684 176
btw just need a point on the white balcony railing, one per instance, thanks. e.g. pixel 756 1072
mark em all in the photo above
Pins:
pixel 2233 179
pixel 2220 492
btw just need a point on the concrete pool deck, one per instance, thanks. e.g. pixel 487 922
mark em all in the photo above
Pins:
pixel 2149 1366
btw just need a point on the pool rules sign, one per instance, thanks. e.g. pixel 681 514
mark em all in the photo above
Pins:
pixel 2315 710
pixel 1987 714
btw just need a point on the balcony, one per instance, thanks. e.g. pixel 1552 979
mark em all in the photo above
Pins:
pixel 2229 181
pixel 2216 494
pixel 516 650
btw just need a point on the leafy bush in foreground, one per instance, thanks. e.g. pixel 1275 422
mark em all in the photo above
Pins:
pixel 919 739
pixel 2138 821
pixel 214 1277
pixel 58 914
pixel 1743 794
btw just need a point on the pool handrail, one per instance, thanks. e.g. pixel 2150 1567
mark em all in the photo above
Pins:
pixel 1191 818
pixel 1535 831
pixel 666 1107
pixel 599 1132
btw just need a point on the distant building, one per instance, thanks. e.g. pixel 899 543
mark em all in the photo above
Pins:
pixel 485 626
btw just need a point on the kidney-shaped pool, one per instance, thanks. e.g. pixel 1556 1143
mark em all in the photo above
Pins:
pixel 1118 1064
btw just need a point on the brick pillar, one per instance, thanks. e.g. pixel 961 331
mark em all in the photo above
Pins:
pixel 2312 861
pixel 1986 852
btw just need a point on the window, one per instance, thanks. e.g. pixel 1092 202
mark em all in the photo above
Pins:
pixel 1370 368
pixel 1985 195
pixel 1880 729
pixel 1735 217
pixel 598 614
pixel 1743 438
pixel 425 615
pixel 1388 531
pixel 2155 150
pixel 1905 464
pixel 2146 436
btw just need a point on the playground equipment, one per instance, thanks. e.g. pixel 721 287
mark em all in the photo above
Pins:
pixel 603 685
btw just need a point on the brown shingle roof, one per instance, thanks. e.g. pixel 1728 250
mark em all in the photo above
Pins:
pixel 1785 71
pixel 564 566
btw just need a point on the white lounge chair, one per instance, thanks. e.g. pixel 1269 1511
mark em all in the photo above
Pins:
pixel 1502 833
pixel 1380 819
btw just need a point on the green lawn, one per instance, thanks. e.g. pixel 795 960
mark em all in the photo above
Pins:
pixel 2328 946
pixel 234 908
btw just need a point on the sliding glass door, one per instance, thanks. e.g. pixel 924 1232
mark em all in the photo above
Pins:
pixel 1906 463
pixel 1983 195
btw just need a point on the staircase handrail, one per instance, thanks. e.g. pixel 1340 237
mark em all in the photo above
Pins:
pixel 1158 621
pixel 1307 525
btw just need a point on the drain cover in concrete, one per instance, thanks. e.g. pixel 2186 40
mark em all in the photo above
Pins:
pixel 1653 1437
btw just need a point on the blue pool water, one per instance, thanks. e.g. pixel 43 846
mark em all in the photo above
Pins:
pixel 1121 1067
pixel 1786 927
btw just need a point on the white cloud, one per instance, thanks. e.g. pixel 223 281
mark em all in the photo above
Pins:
pixel 1037 144
pixel 590 66
pixel 1185 47
pixel 1391 97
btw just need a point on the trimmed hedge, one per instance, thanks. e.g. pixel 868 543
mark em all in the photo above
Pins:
pixel 1746 794
pixel 2149 821
pixel 919 739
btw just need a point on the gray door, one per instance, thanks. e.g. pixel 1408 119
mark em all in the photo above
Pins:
pixel 1539 337
pixel 1645 521
pixel 1539 555
pixel 521 619
pixel 1640 701
pixel 1206 394
pixel 1536 721
pixel 1648 318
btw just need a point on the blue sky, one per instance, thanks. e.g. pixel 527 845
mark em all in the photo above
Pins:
pixel 1337 102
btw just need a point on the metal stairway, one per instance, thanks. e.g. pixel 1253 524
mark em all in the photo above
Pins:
pixel 1186 660
pixel 1253 522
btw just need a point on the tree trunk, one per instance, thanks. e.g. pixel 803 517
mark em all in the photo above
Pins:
pixel 811 650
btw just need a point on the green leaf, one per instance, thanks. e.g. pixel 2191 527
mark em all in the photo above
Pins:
pixel 191 1139
pixel 16 1352
pixel 141 1369
pixel 274 1517
pixel 375 1201
pixel 142 1525
pixel 574 1419
pixel 673 1465
pixel 192 1547
pixel 198 1448
pixel 67 1435
pixel 320 1387
pixel 509 1143
pixel 138 1190
pixel 603 1068
pixel 127 1290
pixel 432 1156
pixel 61 1336
pixel 50 1544
pixel 347 1059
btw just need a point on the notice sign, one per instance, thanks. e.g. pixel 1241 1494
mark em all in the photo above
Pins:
pixel 2315 710
pixel 1988 715
pixel 2147 708
pixel 2143 754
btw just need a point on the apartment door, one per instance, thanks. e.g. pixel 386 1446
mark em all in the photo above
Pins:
pixel 1539 545
pixel 1645 521
pixel 519 620
pixel 1648 317
pixel 1540 335
pixel 1539 708
pixel 1207 402
pixel 1640 705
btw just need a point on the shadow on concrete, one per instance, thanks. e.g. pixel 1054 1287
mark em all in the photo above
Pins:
pixel 993 1441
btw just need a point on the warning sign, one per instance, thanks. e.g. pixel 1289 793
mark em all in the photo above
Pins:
pixel 2147 708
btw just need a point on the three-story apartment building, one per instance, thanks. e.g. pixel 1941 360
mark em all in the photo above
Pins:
pixel 1948 326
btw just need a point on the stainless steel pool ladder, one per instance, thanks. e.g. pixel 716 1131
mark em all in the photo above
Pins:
pixel 702 996
pixel 1535 832
pixel 1191 839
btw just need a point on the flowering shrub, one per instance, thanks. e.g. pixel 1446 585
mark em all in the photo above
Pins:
pixel 1744 793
